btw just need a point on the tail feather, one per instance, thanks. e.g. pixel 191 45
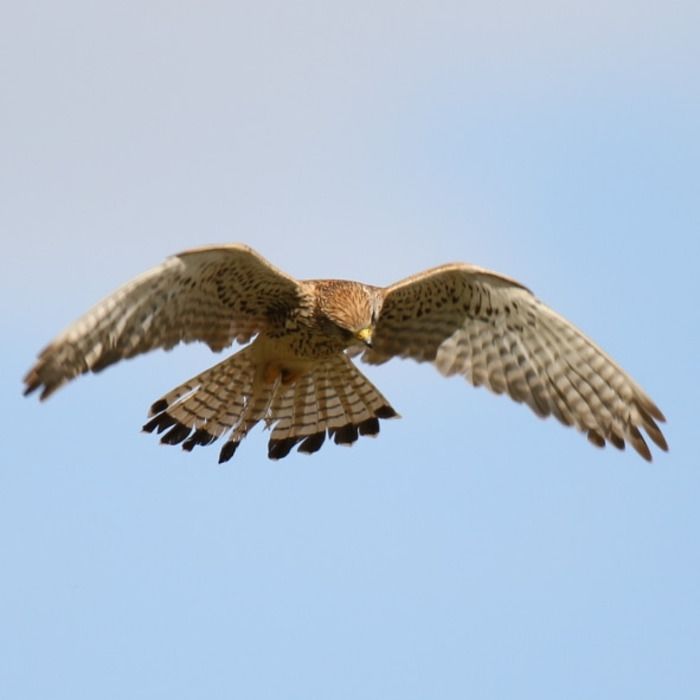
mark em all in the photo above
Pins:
pixel 219 400
pixel 334 399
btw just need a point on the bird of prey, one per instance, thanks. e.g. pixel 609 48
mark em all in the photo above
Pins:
pixel 297 374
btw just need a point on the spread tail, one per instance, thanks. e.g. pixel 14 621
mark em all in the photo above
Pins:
pixel 334 399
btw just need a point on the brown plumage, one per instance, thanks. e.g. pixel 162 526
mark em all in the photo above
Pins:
pixel 297 377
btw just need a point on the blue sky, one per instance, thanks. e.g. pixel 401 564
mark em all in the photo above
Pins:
pixel 472 550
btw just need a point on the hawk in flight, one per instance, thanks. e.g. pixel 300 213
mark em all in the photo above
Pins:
pixel 297 375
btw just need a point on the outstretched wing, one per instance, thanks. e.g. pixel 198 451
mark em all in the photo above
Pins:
pixel 493 331
pixel 216 294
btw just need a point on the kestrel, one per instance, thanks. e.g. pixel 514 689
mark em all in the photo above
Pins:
pixel 297 375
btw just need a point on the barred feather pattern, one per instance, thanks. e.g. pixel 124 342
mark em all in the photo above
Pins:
pixel 496 334
pixel 333 399
pixel 336 398
pixel 215 295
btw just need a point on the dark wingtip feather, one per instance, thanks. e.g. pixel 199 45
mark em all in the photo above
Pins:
pixel 228 450
pixel 651 408
pixel 159 423
pixel 617 440
pixel 158 407
pixel 655 434
pixel 637 441
pixel 647 412
pixel 176 434
pixel 32 382
pixel 312 443
pixel 596 438
pixel 369 427
pixel 386 411
pixel 345 435
pixel 278 449
pixel 31 387
pixel 199 437
pixel 46 392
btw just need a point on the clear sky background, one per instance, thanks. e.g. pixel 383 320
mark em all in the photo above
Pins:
pixel 472 550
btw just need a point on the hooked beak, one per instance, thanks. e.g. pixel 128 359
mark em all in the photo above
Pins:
pixel 365 336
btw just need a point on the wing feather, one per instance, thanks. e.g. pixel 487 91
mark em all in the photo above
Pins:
pixel 496 333
pixel 216 294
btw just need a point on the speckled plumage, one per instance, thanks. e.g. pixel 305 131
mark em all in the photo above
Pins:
pixel 296 375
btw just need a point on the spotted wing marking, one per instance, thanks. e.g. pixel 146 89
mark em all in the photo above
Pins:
pixel 496 334
pixel 215 295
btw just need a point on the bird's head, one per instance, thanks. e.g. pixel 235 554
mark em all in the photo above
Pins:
pixel 351 308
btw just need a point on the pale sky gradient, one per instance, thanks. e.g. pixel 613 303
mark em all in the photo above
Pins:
pixel 471 550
